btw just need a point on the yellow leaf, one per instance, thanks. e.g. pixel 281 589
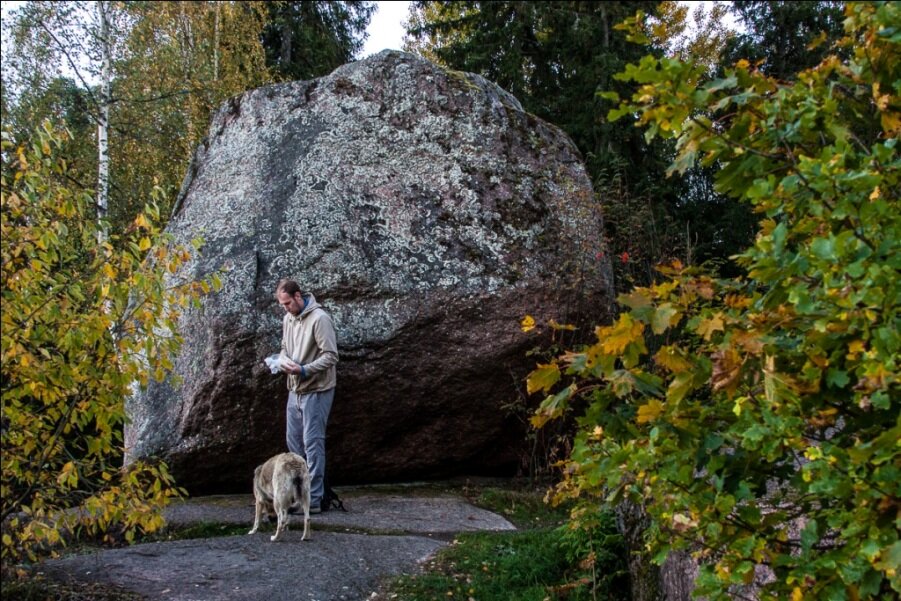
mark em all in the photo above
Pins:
pixel 891 122
pixel 539 419
pixel 558 326
pixel 543 378
pixel 527 324
pixel 616 338
pixel 141 221
pixel 855 348
pixel 673 359
pixel 797 594
pixel 710 325
pixel 650 412
pixel 663 290
pixel 144 244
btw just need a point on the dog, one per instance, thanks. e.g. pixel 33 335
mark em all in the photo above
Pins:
pixel 277 484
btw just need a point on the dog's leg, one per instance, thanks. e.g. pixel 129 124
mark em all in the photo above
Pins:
pixel 305 501
pixel 281 513
pixel 257 516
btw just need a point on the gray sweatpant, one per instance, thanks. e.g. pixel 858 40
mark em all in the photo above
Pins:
pixel 307 418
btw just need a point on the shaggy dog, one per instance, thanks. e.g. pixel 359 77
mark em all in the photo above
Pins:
pixel 277 484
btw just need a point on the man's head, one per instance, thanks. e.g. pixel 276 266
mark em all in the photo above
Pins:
pixel 289 296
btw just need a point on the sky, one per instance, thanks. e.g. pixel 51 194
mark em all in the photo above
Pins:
pixel 386 28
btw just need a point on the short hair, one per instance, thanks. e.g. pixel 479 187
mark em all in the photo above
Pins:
pixel 289 287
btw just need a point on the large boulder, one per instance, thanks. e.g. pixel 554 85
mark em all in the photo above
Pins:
pixel 428 213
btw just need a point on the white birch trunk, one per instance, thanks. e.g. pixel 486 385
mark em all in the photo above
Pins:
pixel 103 121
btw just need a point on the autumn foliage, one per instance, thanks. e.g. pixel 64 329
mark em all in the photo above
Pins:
pixel 85 318
pixel 756 420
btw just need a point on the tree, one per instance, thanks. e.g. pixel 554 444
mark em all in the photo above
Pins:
pixel 103 110
pixel 171 64
pixel 555 57
pixel 699 35
pixel 73 37
pixel 304 40
pixel 181 61
pixel 82 322
pixel 756 419
pixel 784 37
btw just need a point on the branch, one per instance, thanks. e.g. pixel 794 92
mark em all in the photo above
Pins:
pixel 71 65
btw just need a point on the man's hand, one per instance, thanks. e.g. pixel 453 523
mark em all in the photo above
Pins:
pixel 289 366
pixel 292 368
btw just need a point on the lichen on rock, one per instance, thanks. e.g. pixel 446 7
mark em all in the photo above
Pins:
pixel 428 213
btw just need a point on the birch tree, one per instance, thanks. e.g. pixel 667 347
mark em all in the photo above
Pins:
pixel 103 116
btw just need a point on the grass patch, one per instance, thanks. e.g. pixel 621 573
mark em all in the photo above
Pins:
pixel 199 530
pixel 532 565
pixel 524 508
pixel 544 560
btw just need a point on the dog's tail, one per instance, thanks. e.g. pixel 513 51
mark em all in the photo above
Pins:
pixel 297 481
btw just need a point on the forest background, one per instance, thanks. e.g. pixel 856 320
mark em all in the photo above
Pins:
pixel 725 242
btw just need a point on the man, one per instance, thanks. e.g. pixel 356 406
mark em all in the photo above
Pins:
pixel 309 355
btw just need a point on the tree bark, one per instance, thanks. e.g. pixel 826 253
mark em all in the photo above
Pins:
pixel 285 54
pixel 644 576
pixel 673 581
pixel 103 121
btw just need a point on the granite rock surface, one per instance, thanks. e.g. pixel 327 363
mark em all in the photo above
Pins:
pixel 428 213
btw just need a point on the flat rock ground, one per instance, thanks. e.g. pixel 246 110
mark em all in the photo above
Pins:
pixel 349 555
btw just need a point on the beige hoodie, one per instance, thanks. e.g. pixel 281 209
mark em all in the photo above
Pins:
pixel 309 340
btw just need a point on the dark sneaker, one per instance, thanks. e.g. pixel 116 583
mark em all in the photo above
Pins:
pixel 315 509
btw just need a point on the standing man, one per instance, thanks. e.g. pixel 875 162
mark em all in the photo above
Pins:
pixel 308 342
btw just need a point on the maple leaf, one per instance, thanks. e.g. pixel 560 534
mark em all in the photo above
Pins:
pixel 726 370
pixel 615 339
pixel 649 412
pixel 708 326
pixel 673 359
pixel 543 378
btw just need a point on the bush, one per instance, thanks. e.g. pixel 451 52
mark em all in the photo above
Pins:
pixel 756 419
pixel 85 317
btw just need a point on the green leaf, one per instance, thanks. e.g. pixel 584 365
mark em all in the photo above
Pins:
pixel 837 378
pixel 543 378
pixel 665 317
pixel 721 84
pixel 823 248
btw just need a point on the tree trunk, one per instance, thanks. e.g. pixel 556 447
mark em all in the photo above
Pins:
pixel 673 581
pixel 644 576
pixel 103 121
pixel 677 576
pixel 285 54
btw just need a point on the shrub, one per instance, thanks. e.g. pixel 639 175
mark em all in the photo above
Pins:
pixel 85 317
pixel 756 419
